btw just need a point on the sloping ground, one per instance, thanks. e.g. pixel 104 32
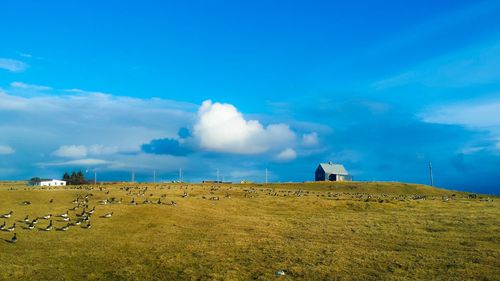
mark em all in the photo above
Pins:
pixel 341 231
pixel 392 188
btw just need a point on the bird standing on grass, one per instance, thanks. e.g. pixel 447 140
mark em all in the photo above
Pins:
pixel 108 215
pixel 8 215
pixel 64 215
pixel 12 228
pixel 64 228
pixel 14 238
pixel 49 227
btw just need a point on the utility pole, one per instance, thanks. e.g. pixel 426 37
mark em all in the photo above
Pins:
pixel 430 174
pixel 266 176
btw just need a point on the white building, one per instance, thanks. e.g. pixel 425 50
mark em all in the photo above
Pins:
pixel 48 183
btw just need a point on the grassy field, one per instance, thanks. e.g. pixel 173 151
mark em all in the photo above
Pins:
pixel 342 231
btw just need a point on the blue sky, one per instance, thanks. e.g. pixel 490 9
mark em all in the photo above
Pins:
pixel 124 86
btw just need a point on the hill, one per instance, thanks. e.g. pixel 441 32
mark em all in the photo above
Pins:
pixel 310 231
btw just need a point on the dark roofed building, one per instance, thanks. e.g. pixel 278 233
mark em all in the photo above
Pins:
pixel 331 172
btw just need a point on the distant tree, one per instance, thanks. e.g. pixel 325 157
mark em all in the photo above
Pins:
pixel 80 178
pixel 34 180
pixel 75 178
pixel 72 178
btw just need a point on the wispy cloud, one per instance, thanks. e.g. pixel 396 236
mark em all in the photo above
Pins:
pixel 5 149
pixel 12 65
pixel 79 162
pixel 481 114
pixel 26 55
pixel 473 66
pixel 81 151
pixel 24 86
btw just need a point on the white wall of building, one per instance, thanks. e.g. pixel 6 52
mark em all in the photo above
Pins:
pixel 51 183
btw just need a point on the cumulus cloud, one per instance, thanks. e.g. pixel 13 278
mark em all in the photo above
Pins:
pixel 287 155
pixel 12 65
pixel 5 149
pixel 221 127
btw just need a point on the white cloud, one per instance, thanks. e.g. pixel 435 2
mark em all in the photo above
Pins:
pixel 79 162
pixel 477 114
pixel 60 128
pixel 71 151
pixel 287 155
pixel 474 66
pixel 12 65
pixel 221 127
pixel 80 151
pixel 98 149
pixel 480 114
pixel 5 149
pixel 310 139
pixel 21 85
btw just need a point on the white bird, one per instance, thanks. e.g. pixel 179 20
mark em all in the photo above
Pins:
pixel 46 217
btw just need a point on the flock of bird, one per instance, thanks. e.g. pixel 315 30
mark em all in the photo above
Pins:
pixel 145 196
pixel 81 202
pixel 81 219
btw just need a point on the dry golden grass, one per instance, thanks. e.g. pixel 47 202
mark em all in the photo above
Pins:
pixel 329 232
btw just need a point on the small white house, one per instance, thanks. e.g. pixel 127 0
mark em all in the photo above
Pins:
pixel 49 183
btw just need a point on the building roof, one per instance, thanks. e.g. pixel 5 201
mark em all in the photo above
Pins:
pixel 46 180
pixel 331 168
